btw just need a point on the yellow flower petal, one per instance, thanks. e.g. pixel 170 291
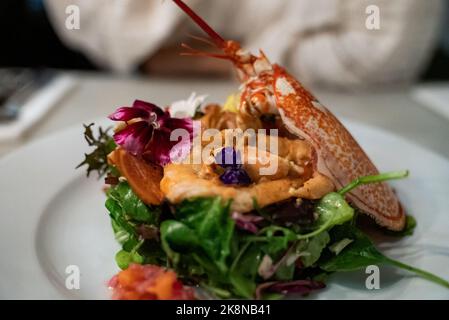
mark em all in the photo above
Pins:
pixel 232 103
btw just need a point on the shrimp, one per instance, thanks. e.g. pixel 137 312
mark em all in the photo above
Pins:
pixel 269 89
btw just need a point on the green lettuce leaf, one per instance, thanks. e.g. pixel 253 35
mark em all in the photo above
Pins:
pixel 127 213
pixel 204 227
pixel 309 250
pixel 332 210
pixel 357 255
pixel 132 207
pixel 362 253
pixel 272 241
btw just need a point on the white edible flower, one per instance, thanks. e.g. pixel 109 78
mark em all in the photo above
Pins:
pixel 186 108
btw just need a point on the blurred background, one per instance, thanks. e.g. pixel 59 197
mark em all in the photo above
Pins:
pixel 344 47
pixel 331 42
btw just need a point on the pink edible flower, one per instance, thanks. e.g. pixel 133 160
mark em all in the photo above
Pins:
pixel 149 133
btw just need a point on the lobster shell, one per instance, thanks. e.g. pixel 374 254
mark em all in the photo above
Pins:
pixel 340 157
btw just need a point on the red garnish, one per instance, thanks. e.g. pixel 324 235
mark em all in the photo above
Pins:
pixel 148 282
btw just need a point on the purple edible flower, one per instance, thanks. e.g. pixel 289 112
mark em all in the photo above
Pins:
pixel 247 222
pixel 149 134
pixel 228 157
pixel 235 177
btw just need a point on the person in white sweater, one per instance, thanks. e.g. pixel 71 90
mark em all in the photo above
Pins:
pixel 326 42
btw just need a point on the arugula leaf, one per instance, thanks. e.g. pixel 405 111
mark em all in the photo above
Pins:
pixel 276 238
pixel 309 250
pixel 268 233
pixel 362 253
pixel 357 255
pixel 243 272
pixel 179 237
pixel 204 227
pixel 120 224
pixel 272 241
pixel 121 235
pixel 104 144
pixel 211 221
pixel 332 210
pixel 338 246
pixel 128 213
pixel 245 268
pixel 132 207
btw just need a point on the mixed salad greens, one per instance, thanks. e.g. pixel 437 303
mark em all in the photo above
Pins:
pixel 287 248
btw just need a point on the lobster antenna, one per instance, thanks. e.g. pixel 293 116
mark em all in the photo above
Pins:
pixel 203 40
pixel 219 41
pixel 193 52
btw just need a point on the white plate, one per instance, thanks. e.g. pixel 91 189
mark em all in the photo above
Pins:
pixel 52 217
